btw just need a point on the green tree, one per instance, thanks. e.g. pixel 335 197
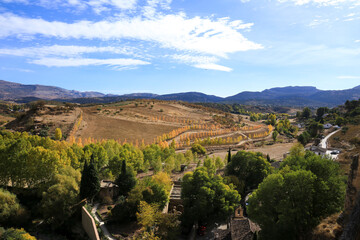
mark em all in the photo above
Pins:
pixel 229 156
pixel 314 128
pixel 272 119
pixel 289 204
pixel 275 135
pixel 58 134
pixel 11 212
pixel 209 164
pixel 206 197
pixel 249 167
pixel 59 200
pixel 306 113
pixel 157 164
pixel 320 112
pixel 304 138
pixel 15 234
pixel 90 183
pixel 126 179
pixel 198 149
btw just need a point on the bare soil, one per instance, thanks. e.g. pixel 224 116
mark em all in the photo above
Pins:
pixel 275 151
pixel 105 127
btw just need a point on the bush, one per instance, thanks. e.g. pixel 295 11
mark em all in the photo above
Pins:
pixel 197 148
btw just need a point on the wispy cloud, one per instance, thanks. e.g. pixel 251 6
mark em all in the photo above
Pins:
pixel 203 62
pixel 174 31
pixel 17 69
pixel 322 2
pixel 348 77
pixel 97 6
pixel 77 62
pixel 61 50
pixel 213 66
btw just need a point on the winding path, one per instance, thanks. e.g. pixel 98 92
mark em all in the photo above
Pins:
pixel 323 142
pixel 102 225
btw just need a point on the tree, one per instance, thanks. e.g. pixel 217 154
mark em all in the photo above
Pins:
pixel 290 203
pixel 154 222
pixel 320 112
pixel 249 167
pixel 274 135
pixel 11 212
pixel 304 138
pixel 206 197
pixel 15 234
pixel 306 113
pixel 272 119
pixel 126 179
pixel 314 128
pixel 59 200
pixel 90 183
pixel 229 156
pixel 197 148
pixel 58 134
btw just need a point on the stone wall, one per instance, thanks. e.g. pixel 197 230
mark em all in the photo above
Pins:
pixel 353 186
pixel 89 225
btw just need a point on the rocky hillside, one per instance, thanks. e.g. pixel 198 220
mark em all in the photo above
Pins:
pixel 12 91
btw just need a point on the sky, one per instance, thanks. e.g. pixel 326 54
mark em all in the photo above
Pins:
pixel 218 47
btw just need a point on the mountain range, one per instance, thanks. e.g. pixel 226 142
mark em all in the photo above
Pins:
pixel 280 96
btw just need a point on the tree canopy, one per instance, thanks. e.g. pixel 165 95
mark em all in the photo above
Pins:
pixel 206 197
pixel 249 167
pixel 290 203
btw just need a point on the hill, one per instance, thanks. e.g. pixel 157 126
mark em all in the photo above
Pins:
pixel 13 91
pixel 281 96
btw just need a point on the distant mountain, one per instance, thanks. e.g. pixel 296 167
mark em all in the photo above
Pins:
pixel 190 97
pixel 12 91
pixel 280 96
pixel 296 96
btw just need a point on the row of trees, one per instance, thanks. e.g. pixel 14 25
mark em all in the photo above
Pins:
pixel 31 161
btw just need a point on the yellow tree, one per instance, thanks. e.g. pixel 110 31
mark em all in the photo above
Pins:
pixel 58 134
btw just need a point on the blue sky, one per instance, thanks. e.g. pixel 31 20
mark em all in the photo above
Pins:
pixel 165 46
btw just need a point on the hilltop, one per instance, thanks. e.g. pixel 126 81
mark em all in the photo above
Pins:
pixel 292 96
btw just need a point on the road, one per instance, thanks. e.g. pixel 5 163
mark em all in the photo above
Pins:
pixel 102 225
pixel 323 142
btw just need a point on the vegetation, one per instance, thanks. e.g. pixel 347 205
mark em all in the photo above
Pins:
pixel 206 198
pixel 15 234
pixel 126 179
pixel 249 168
pixel 90 182
pixel 291 202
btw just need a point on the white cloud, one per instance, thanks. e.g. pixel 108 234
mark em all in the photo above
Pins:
pixel 213 66
pixel 348 77
pixel 203 62
pixel 97 5
pixel 59 50
pixel 322 2
pixel 174 31
pixel 17 69
pixel 76 62
pixel 184 58
pixel 317 22
pixel 357 41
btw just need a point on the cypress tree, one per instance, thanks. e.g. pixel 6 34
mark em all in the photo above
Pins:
pixel 126 179
pixel 83 183
pixel 229 155
pixel 90 183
